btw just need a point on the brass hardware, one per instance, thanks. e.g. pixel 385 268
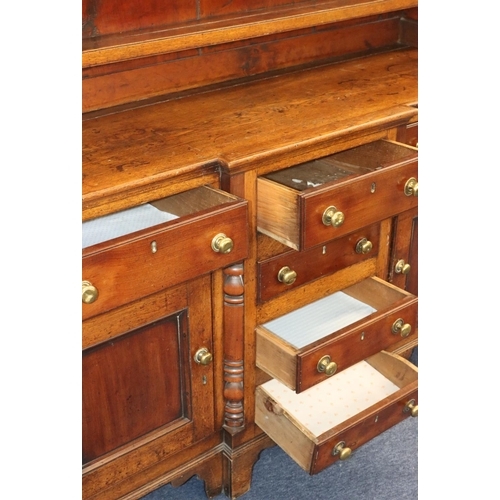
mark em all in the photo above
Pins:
pixel 402 267
pixel 364 246
pixel 89 292
pixel 411 187
pixel 154 247
pixel 203 356
pixel 327 366
pixel 342 450
pixel 412 407
pixel 373 187
pixel 333 217
pixel 399 326
pixel 286 275
pixel 221 243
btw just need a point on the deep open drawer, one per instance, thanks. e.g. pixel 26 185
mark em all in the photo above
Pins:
pixel 314 202
pixel 329 421
pixel 160 244
pixel 311 344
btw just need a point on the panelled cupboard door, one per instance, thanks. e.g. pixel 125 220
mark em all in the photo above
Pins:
pixel 147 391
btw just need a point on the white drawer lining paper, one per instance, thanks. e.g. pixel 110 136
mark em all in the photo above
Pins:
pixel 312 322
pixel 120 223
pixel 338 398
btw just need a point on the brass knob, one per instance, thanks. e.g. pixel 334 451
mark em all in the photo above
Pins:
pixel 89 292
pixel 411 187
pixel 364 246
pixel 411 407
pixel 327 366
pixel 399 326
pixel 402 267
pixel 286 275
pixel 333 217
pixel 342 450
pixel 203 356
pixel 221 243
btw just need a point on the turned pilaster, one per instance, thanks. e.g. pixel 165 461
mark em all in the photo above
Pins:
pixel 234 309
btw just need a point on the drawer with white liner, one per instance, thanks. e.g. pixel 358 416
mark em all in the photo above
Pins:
pixel 312 343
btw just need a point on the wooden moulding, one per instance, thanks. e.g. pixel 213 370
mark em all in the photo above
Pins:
pixel 212 32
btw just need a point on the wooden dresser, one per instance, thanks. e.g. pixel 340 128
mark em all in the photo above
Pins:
pixel 250 226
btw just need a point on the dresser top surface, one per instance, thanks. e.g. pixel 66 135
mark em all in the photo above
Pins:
pixel 241 127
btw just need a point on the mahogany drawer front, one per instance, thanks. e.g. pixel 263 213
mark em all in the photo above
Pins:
pixel 135 265
pixel 313 343
pixel 315 202
pixel 289 270
pixel 328 422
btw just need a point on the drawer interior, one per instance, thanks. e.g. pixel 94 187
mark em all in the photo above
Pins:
pixel 323 317
pixel 151 214
pixel 330 314
pixel 340 166
pixel 352 407
pixel 339 398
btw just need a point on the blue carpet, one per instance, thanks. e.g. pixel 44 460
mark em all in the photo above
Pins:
pixel 385 468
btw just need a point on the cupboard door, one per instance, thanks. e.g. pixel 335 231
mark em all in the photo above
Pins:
pixel 148 393
pixel 403 271
pixel 133 385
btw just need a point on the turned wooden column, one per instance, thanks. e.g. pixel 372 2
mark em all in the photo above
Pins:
pixel 234 309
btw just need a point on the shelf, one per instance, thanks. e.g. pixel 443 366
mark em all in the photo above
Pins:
pixel 116 48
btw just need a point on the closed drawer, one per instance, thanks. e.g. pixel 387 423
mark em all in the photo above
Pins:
pixel 312 203
pixel 315 342
pixel 292 269
pixel 329 421
pixel 179 238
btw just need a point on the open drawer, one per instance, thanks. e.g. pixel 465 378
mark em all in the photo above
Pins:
pixel 329 421
pixel 314 202
pixel 145 249
pixel 307 346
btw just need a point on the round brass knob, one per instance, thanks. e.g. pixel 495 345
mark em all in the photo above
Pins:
pixel 411 407
pixel 327 366
pixel 399 326
pixel 402 267
pixel 342 450
pixel 364 246
pixel 333 217
pixel 203 356
pixel 411 187
pixel 89 292
pixel 221 243
pixel 286 275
